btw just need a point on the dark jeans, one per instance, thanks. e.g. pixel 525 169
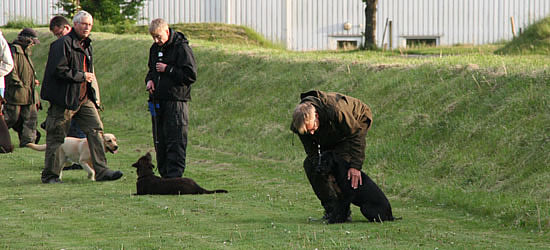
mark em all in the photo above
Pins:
pixel 75 131
pixel 323 182
pixel 170 137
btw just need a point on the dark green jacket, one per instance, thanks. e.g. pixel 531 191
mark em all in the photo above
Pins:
pixel 20 82
pixel 343 125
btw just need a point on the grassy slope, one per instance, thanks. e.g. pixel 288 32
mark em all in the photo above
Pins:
pixel 460 149
pixel 534 40
pixel 215 32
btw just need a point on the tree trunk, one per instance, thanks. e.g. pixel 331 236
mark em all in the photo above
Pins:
pixel 370 24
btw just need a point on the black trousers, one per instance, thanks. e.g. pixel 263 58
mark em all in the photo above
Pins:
pixel 170 137
pixel 323 182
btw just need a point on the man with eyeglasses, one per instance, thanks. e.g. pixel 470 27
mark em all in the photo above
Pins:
pixel 67 86
pixel 59 26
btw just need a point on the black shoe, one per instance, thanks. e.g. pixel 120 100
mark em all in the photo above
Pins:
pixel 38 135
pixel 52 181
pixel 332 218
pixel 110 175
pixel 73 167
pixel 336 220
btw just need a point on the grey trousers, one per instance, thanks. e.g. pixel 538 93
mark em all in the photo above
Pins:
pixel 57 127
pixel 23 119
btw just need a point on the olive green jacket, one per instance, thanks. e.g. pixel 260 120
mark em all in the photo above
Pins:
pixel 343 125
pixel 20 81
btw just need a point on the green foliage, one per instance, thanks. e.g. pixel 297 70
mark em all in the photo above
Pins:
pixel 105 11
pixel 20 23
pixel 534 40
pixel 124 27
pixel 461 151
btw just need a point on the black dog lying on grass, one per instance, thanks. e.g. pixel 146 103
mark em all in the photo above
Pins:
pixel 148 183
pixel 372 201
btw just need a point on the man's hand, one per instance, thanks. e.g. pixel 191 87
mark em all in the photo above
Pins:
pixel 161 67
pixel 89 76
pixel 355 176
pixel 36 82
pixel 150 86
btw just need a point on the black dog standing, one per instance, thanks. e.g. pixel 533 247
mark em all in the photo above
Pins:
pixel 372 201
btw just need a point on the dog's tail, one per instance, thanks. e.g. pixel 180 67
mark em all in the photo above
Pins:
pixel 215 191
pixel 41 147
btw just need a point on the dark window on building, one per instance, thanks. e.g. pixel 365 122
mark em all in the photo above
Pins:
pixel 421 42
pixel 347 45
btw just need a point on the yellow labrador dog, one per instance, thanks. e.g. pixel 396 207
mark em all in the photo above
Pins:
pixel 76 150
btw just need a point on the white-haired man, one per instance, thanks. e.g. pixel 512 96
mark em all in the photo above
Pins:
pixel 172 70
pixel 330 123
pixel 67 86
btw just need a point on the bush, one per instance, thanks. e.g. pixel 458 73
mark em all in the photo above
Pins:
pixel 20 22
pixel 106 11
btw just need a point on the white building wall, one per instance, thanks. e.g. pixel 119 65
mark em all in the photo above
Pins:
pixel 458 21
pixel 298 24
pixel 40 11
pixel 318 24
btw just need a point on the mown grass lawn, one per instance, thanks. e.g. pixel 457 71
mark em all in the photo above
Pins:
pixel 459 145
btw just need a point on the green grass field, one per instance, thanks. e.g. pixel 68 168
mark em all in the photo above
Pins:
pixel 460 145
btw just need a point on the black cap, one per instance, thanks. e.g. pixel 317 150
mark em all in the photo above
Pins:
pixel 28 32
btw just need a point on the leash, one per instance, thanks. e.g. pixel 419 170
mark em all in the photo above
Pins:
pixel 153 107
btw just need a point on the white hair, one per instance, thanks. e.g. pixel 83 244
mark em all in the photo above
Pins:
pixel 81 14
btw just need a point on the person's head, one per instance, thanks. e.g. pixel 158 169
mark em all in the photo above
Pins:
pixel 59 26
pixel 159 31
pixel 83 23
pixel 28 37
pixel 305 118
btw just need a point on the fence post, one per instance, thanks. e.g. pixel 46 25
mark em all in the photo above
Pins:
pixel 391 34
pixel 513 26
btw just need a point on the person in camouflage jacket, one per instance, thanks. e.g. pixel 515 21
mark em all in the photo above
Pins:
pixel 20 110
pixel 327 121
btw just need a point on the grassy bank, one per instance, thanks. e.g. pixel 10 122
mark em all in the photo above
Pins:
pixel 534 40
pixel 460 144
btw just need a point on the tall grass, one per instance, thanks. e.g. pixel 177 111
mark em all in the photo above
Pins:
pixel 459 144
